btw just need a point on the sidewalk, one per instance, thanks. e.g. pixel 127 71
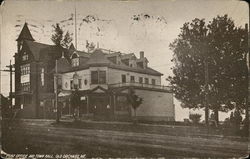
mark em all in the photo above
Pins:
pixel 191 130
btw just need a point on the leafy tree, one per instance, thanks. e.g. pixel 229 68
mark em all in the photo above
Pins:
pixel 228 69
pixel 134 100
pixel 59 39
pixel 222 46
pixel 67 40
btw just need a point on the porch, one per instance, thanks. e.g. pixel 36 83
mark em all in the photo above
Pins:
pixel 98 103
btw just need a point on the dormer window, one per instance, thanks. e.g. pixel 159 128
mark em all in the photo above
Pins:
pixel 25 56
pixel 75 60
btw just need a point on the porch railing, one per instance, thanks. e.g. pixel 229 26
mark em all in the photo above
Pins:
pixel 135 84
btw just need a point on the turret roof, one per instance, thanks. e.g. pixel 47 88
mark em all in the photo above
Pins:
pixel 25 34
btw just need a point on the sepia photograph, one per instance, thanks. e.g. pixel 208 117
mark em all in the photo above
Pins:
pixel 124 79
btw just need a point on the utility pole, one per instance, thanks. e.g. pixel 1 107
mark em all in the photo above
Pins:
pixel 10 70
pixel 56 94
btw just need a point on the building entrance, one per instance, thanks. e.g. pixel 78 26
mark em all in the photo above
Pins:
pixel 99 105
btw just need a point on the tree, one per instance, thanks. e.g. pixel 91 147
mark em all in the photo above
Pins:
pixel 134 100
pixel 227 47
pixel 222 46
pixel 59 39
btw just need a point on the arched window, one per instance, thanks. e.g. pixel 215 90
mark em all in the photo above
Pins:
pixel 75 60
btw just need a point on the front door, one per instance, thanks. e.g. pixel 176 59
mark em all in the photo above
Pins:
pixel 100 105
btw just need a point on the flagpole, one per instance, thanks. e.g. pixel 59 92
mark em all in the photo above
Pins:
pixel 75 29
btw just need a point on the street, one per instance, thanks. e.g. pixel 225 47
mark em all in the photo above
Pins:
pixel 42 137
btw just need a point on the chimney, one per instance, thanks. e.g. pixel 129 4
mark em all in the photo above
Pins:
pixel 141 54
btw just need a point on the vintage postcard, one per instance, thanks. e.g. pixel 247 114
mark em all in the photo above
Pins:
pixel 124 79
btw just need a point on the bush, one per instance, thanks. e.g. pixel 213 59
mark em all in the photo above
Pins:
pixel 195 118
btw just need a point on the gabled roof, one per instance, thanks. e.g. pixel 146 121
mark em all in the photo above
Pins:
pixel 36 47
pixel 98 57
pixel 113 54
pixel 95 90
pixel 128 56
pixel 25 34
pixel 83 54
pixel 147 70
pixel 62 64
pixel 72 47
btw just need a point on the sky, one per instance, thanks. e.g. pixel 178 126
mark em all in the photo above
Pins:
pixel 126 26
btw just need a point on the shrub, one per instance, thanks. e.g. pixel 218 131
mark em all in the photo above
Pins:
pixel 195 118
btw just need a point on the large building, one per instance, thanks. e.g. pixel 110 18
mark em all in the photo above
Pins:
pixel 102 77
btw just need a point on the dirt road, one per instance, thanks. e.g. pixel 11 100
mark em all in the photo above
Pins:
pixel 42 137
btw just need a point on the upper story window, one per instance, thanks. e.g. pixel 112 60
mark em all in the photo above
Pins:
pixel 25 56
pixel 153 81
pixel 140 80
pixel 94 77
pixel 71 84
pixel 25 69
pixel 102 77
pixel 75 60
pixel 132 79
pixel 25 86
pixel 98 77
pixel 59 83
pixel 123 78
pixel 146 80
pixel 79 83
pixel 42 76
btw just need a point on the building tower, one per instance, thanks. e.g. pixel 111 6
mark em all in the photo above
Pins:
pixel 22 59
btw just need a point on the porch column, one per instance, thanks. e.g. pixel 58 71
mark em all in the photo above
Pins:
pixel 69 107
pixel 87 98
pixel 114 103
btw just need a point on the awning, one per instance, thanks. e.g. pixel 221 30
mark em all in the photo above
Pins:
pixel 64 94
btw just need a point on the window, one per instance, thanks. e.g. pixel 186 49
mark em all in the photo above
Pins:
pixel 71 84
pixel 132 79
pixel 25 69
pixel 140 80
pixel 59 83
pixel 75 62
pixel 85 82
pixel 98 77
pixel 94 77
pixel 153 81
pixel 42 76
pixel 123 78
pixel 102 77
pixel 25 86
pixel 146 80
pixel 25 57
pixel 66 84
pixel 80 83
